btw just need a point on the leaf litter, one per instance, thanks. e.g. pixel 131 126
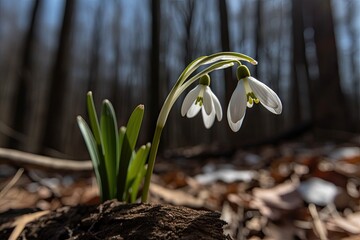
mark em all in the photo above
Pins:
pixel 294 190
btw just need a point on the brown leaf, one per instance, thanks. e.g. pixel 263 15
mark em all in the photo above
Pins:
pixel 176 197
pixel 349 224
pixel 282 197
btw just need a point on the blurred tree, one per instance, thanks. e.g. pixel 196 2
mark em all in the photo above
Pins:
pixel 300 71
pixel 154 84
pixel 354 54
pixel 225 46
pixel 188 21
pixel 22 101
pixel 327 100
pixel 95 49
pixel 117 50
pixel 58 84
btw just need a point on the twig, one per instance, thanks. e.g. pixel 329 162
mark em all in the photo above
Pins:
pixel 21 222
pixel 318 224
pixel 12 182
pixel 15 157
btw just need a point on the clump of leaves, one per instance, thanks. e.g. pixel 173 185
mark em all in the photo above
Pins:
pixel 119 168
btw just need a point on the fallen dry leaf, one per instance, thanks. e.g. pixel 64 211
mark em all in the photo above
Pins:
pixel 272 201
pixel 350 223
pixel 176 197
pixel 318 191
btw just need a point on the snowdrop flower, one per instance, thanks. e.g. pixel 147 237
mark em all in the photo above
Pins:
pixel 201 97
pixel 249 91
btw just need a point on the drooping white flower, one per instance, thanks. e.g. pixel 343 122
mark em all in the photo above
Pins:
pixel 202 98
pixel 247 92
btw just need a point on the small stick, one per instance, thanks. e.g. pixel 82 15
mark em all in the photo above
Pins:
pixel 21 222
pixel 318 224
pixel 12 182
pixel 15 157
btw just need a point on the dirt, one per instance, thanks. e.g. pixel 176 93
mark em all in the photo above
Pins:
pixel 115 220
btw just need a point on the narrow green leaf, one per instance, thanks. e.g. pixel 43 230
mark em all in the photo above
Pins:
pixel 135 165
pixel 122 132
pixel 95 157
pixel 110 141
pixel 94 122
pixel 128 145
pixel 140 176
pixel 136 184
pixel 134 124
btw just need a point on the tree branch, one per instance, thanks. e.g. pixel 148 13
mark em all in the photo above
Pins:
pixel 15 157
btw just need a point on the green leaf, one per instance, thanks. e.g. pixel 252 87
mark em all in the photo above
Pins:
pixel 94 122
pixel 110 142
pixel 122 132
pixel 127 148
pixel 139 177
pixel 95 156
pixel 134 124
pixel 137 162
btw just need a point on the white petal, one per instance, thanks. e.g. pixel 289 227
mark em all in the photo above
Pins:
pixel 217 105
pixel 268 98
pixel 194 109
pixel 208 119
pixel 207 100
pixel 190 99
pixel 237 107
pixel 237 104
pixel 235 126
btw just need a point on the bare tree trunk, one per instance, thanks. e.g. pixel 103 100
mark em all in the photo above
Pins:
pixel 330 110
pixel 154 86
pixel 355 49
pixel 258 33
pixel 252 120
pixel 229 81
pixel 187 10
pixel 95 56
pixel 57 88
pixel 300 71
pixel 116 40
pixel 225 46
pixel 188 22
pixel 22 100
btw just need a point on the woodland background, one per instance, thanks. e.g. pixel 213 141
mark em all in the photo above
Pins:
pixel 131 52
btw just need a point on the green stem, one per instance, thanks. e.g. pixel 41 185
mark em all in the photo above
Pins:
pixel 219 60
pixel 151 163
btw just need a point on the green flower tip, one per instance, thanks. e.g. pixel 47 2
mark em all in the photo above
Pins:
pixel 141 106
pixel 242 72
pixel 205 80
pixel 254 62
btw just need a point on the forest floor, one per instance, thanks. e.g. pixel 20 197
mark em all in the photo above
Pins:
pixel 299 189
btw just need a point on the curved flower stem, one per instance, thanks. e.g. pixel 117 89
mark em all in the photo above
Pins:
pixel 218 61
pixel 151 163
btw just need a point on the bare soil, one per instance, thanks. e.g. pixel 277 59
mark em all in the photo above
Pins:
pixel 115 220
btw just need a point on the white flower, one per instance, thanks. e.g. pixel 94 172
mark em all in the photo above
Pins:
pixel 247 92
pixel 201 97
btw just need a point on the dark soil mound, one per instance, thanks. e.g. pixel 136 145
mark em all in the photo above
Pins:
pixel 114 220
